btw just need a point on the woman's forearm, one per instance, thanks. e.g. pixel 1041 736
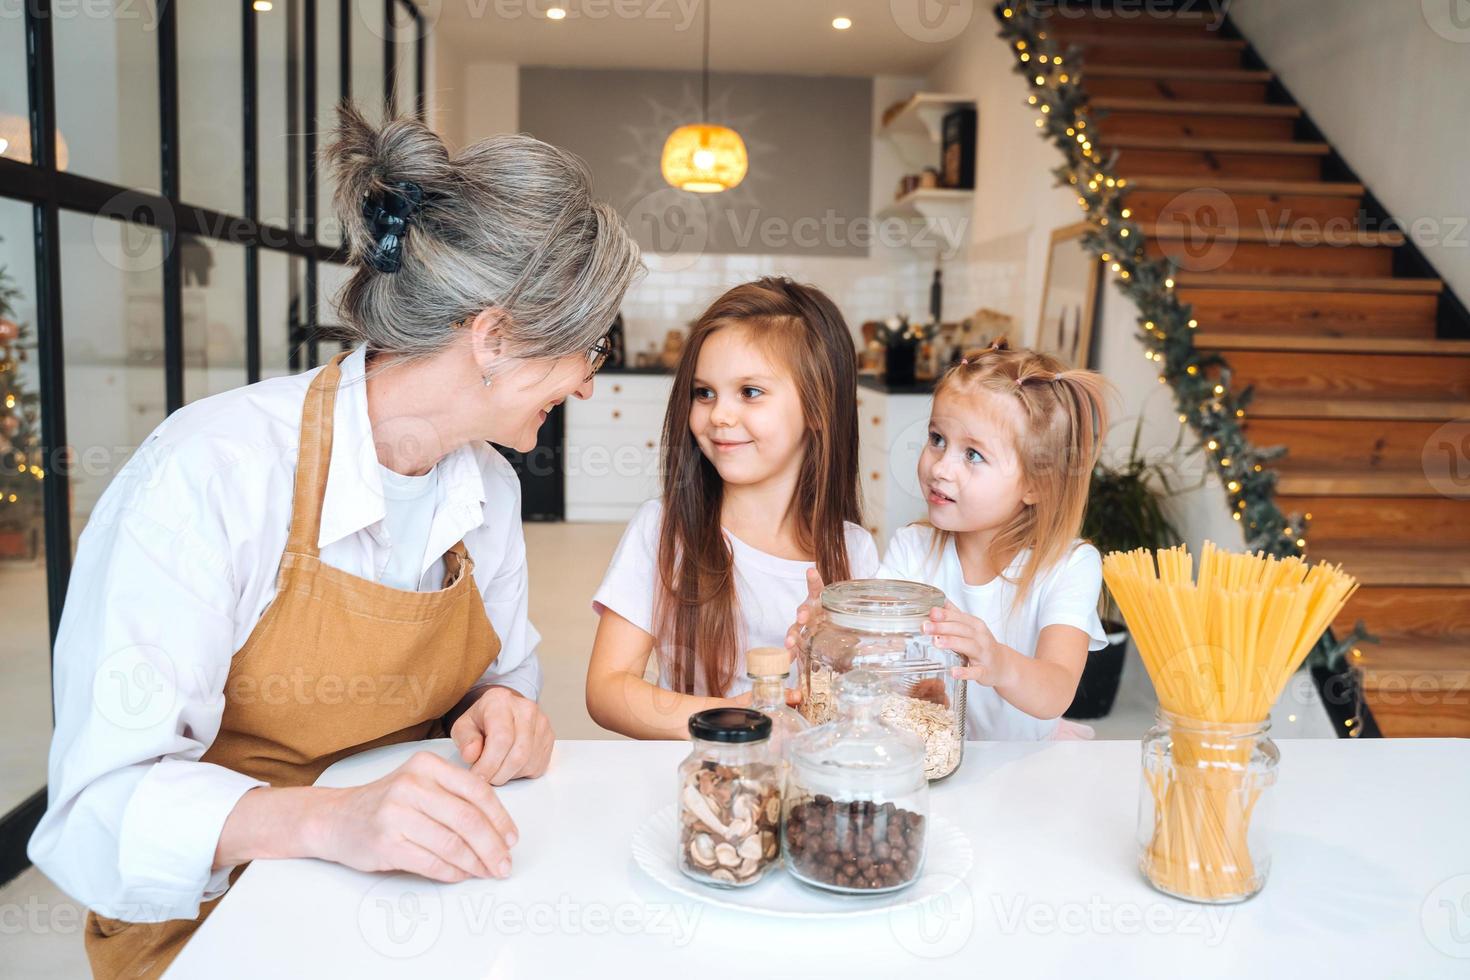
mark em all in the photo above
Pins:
pixel 631 706
pixel 272 822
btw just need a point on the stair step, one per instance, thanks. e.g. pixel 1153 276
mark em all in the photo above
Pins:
pixel 1433 522
pixel 1304 237
pixel 1353 483
pixel 1288 407
pixel 1417 686
pixel 1214 157
pixel 1181 52
pixel 1194 119
pixel 1357 345
pixel 1380 564
pixel 1320 305
pixel 1175 84
pixel 1138 23
pixel 1204 252
pixel 1214 280
pixel 1209 204
pixel 1418 610
pixel 1368 446
pixel 1410 385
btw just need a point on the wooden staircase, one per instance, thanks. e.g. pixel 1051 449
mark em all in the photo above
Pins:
pixel 1338 325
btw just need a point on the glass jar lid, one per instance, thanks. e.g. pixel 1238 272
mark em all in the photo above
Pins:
pixel 730 725
pixel 880 605
pixel 859 753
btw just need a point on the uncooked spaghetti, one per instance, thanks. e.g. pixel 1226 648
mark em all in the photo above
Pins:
pixel 1219 651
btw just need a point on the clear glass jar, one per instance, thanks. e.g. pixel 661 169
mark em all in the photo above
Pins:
pixel 857 802
pixel 877 624
pixel 1204 808
pixel 729 799
pixel 768 669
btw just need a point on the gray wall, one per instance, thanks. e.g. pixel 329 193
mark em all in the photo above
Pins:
pixel 809 140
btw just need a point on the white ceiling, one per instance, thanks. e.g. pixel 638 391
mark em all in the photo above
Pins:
pixel 887 37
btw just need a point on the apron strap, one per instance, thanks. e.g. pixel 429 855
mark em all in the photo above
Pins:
pixel 314 458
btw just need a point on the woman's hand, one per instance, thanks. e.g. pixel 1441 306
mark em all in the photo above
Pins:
pixel 428 816
pixel 503 736
pixel 808 614
pixel 988 661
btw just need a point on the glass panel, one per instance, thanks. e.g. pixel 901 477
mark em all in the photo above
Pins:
pixel 107 95
pixel 15 126
pixel 279 111
pixel 328 94
pixel 368 70
pixel 282 308
pixel 331 278
pixel 211 139
pixel 25 665
pixel 112 303
pixel 214 316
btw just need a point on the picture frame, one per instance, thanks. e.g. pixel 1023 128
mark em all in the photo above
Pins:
pixel 1069 293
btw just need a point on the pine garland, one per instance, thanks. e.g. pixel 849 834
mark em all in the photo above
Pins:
pixel 1204 393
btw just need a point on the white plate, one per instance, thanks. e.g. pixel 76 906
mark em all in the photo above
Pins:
pixel 948 859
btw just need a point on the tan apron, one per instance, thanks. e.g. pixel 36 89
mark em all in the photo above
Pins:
pixel 337 664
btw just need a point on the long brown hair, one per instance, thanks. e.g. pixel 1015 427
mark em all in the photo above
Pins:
pixel 1066 413
pixel 695 608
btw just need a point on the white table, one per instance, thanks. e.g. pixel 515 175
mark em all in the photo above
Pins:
pixel 1371 867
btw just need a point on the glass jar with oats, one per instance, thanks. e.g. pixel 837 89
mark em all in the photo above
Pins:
pixel 877 625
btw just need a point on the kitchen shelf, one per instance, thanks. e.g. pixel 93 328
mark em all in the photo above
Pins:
pixel 943 211
pixel 922 117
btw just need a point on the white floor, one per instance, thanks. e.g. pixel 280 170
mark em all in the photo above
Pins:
pixel 42 927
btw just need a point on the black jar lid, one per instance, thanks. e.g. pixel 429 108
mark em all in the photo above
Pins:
pixel 732 725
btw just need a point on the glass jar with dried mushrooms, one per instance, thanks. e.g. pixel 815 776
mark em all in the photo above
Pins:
pixel 729 799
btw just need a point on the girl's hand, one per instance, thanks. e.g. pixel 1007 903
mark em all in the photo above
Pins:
pixel 793 698
pixel 968 636
pixel 808 614
pixel 428 816
pixel 503 736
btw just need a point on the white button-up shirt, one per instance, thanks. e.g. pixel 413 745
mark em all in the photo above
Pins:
pixel 172 573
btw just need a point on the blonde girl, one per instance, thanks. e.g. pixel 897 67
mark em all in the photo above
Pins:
pixel 760 486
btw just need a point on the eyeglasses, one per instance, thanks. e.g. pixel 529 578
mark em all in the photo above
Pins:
pixel 597 356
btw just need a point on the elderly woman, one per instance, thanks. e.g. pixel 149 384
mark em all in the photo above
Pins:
pixel 304 568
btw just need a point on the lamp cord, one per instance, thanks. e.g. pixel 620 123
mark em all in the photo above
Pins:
pixel 704 94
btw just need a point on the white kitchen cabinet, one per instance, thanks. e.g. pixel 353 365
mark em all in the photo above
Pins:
pixel 892 430
pixel 611 463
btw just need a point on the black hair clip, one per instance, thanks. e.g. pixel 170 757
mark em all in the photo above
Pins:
pixel 388 212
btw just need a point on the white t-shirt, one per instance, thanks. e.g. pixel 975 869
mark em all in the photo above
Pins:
pixel 768 589
pixel 408 513
pixel 1065 594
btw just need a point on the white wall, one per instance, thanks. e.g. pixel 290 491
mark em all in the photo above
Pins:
pixel 1386 83
pixel 1017 207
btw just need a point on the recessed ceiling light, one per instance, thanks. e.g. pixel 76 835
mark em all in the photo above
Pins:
pixel 555 13
pixel 261 6
pixel 842 23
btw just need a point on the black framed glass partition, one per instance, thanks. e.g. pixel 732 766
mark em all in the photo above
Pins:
pixel 163 237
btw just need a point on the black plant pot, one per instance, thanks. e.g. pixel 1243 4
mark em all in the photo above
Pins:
pixel 1099 685
pixel 900 360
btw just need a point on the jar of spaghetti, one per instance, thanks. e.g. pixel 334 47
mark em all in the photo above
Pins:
pixel 1204 808
pixel 877 625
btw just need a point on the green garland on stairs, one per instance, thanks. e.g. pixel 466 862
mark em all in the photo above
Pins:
pixel 1204 394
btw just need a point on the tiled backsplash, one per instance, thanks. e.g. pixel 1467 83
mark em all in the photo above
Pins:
pixel 678 291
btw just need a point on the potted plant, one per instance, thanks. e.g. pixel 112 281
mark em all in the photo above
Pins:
pixel 1124 512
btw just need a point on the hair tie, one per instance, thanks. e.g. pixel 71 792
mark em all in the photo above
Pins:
pixel 388 212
